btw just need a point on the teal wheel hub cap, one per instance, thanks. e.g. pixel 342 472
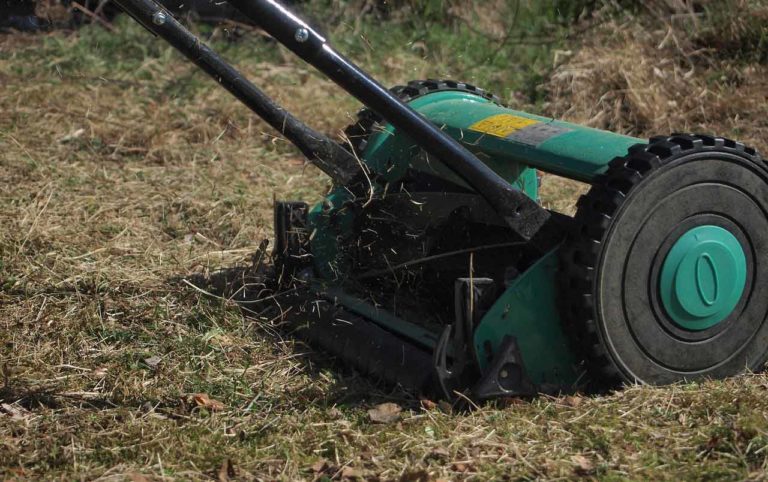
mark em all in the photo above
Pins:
pixel 703 277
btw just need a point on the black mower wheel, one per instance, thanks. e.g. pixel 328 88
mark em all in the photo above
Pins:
pixel 665 272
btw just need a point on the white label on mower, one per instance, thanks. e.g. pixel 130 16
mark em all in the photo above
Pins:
pixel 535 135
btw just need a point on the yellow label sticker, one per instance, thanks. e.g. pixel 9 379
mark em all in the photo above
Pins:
pixel 502 125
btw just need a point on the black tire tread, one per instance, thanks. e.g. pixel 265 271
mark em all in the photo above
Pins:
pixel 595 213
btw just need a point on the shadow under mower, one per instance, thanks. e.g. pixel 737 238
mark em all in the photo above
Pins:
pixel 432 264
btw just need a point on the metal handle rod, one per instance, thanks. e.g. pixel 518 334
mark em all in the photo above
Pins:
pixel 523 214
pixel 326 154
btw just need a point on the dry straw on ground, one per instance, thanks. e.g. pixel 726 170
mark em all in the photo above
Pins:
pixel 646 75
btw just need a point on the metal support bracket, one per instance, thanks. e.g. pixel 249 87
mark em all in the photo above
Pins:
pixel 506 375
pixel 454 356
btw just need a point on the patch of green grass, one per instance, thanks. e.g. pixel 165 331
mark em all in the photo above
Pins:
pixel 511 56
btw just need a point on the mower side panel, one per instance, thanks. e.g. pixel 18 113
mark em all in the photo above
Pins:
pixel 527 311
pixel 328 221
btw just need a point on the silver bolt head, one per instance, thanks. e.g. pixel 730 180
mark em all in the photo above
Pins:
pixel 159 18
pixel 302 35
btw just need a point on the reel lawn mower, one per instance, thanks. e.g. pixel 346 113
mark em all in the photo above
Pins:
pixel 432 264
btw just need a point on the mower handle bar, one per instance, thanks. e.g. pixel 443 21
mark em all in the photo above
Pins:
pixel 521 213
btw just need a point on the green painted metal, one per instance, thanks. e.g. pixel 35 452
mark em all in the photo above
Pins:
pixel 390 153
pixel 559 147
pixel 562 148
pixel 330 223
pixel 703 277
pixel 527 310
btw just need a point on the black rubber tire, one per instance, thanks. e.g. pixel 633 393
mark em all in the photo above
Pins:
pixel 625 226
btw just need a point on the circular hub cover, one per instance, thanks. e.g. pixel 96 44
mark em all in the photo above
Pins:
pixel 703 277
pixel 666 269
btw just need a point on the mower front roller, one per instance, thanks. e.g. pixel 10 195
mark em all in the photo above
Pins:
pixel 365 346
pixel 665 271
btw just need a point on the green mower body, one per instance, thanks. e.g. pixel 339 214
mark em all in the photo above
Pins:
pixel 514 144
pixel 432 264
pixel 386 254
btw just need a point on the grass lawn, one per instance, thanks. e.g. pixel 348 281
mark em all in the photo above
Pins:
pixel 124 171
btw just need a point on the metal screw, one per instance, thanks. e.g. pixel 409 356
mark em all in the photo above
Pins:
pixel 302 35
pixel 159 18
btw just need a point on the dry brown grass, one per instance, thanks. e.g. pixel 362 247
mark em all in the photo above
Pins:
pixel 667 73
pixel 672 68
pixel 122 174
